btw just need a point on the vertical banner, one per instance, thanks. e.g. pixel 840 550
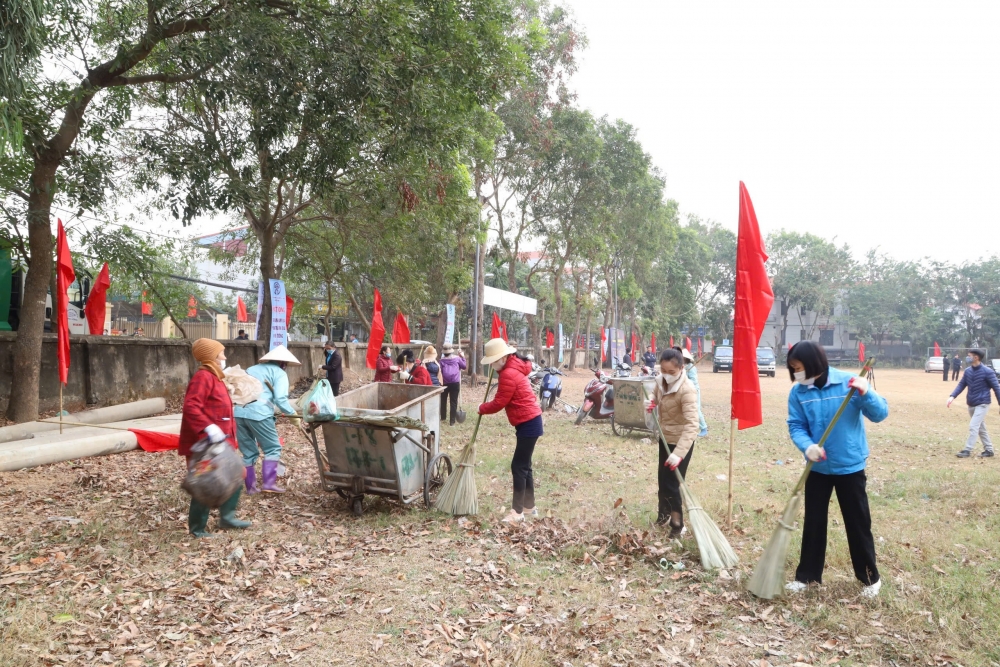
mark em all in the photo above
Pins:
pixel 260 302
pixel 279 323
pixel 449 331
pixel 560 343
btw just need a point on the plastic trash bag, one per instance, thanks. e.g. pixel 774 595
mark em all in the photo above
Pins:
pixel 243 387
pixel 302 401
pixel 214 472
pixel 320 404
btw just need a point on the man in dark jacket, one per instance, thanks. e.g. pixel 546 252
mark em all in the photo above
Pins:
pixel 946 365
pixel 649 359
pixel 979 380
pixel 334 367
pixel 956 366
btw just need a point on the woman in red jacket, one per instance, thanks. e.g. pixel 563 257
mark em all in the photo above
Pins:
pixel 514 394
pixel 208 413
pixel 383 365
pixel 410 371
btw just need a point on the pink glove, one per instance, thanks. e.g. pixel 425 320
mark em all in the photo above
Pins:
pixel 858 383
pixel 650 406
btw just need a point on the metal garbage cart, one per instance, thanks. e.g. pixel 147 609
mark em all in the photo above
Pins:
pixel 630 405
pixel 385 443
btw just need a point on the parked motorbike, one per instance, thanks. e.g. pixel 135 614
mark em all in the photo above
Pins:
pixel 620 369
pixel 645 371
pixel 550 387
pixel 598 398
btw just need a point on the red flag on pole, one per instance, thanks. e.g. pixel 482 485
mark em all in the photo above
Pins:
pixel 635 343
pixel 861 351
pixel 289 304
pixel 687 343
pixel 653 343
pixel 65 275
pixel 753 302
pixel 503 330
pixel 147 308
pixel 550 338
pixel 400 330
pixel 937 349
pixel 699 347
pixel 96 306
pixel 495 326
pixel 241 310
pixel 192 306
pixel 604 340
pixel 377 332
pixel 671 341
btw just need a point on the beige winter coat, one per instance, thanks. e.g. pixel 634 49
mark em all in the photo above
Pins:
pixel 677 407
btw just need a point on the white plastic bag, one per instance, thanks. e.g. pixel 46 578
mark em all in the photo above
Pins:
pixel 320 404
pixel 243 387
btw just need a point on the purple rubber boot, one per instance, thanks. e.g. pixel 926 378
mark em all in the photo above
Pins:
pixel 251 481
pixel 271 477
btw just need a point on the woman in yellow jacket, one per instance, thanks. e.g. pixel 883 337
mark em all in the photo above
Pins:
pixel 675 401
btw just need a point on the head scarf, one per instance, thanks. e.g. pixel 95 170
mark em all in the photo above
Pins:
pixel 206 350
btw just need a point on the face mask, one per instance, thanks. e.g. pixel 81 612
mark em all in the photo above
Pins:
pixel 499 364
pixel 222 364
pixel 800 377
pixel 670 379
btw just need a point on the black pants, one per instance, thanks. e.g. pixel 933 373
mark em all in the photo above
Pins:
pixel 520 469
pixel 945 374
pixel 854 508
pixel 954 374
pixel 450 391
pixel 669 486
pixel 335 386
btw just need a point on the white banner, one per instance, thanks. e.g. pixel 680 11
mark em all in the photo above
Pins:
pixel 279 330
pixel 449 332
pixel 508 300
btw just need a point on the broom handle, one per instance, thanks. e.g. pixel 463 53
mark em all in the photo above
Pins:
pixel 479 416
pixel 680 478
pixel 829 427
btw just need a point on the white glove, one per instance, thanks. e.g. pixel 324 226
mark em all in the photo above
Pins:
pixel 214 433
pixel 815 453
pixel 859 383
pixel 673 461
pixel 950 399
pixel 404 376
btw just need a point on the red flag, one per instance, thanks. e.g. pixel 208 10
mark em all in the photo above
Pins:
pixel 861 351
pixel 699 347
pixel 653 343
pixel 635 344
pixel 503 330
pixel 753 302
pixel 147 308
pixel 937 350
pixel 687 343
pixel 289 304
pixel 377 332
pixel 495 327
pixel 400 330
pixel 671 341
pixel 550 339
pixel 97 302
pixel 241 310
pixel 604 347
pixel 192 306
pixel 65 275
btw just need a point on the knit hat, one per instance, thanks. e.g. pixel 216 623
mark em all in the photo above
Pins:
pixel 206 351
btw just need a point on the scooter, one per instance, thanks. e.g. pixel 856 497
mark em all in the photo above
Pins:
pixel 598 398
pixel 620 369
pixel 550 388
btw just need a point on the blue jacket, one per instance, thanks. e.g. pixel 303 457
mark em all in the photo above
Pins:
pixel 979 380
pixel 810 411
pixel 263 407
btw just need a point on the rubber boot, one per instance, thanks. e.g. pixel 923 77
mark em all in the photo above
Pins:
pixel 227 513
pixel 198 519
pixel 270 471
pixel 251 481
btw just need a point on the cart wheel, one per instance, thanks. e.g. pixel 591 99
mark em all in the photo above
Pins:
pixel 342 493
pixel 614 427
pixel 356 507
pixel 438 471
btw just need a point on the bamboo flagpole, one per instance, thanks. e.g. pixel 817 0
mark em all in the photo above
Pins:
pixel 732 450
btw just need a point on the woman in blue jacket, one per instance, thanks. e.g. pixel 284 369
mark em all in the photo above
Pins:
pixel 838 466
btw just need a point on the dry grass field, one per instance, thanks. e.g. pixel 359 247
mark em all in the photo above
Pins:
pixel 96 567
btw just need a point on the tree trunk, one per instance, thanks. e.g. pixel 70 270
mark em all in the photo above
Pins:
pixel 266 239
pixel 576 329
pixel 586 343
pixel 557 295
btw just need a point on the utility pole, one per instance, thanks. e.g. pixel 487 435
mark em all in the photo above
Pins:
pixel 474 333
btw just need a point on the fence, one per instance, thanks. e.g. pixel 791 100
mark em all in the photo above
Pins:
pixel 122 326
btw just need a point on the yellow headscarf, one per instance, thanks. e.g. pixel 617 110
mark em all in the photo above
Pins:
pixel 206 351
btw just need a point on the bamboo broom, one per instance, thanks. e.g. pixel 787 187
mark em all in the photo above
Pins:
pixel 712 544
pixel 768 580
pixel 458 494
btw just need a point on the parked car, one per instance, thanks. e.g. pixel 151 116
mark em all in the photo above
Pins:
pixel 765 361
pixel 995 365
pixel 934 365
pixel 722 359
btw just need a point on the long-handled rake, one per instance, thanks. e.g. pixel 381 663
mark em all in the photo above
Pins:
pixel 712 544
pixel 768 580
pixel 458 494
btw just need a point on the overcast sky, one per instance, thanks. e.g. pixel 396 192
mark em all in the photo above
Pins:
pixel 875 122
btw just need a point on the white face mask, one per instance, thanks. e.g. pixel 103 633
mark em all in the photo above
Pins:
pixel 670 379
pixel 800 377
pixel 499 364
pixel 222 364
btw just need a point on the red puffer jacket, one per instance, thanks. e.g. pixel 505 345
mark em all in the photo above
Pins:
pixel 514 393
pixel 383 369
pixel 206 402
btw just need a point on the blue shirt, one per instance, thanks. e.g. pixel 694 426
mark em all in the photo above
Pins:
pixel 263 407
pixel 979 380
pixel 810 410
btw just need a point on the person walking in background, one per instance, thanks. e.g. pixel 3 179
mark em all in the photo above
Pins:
pixel 383 365
pixel 255 427
pixel 956 366
pixel 649 358
pixel 208 413
pixel 334 367
pixel 431 364
pixel 242 335
pixel 979 380
pixel 452 366
pixel 946 366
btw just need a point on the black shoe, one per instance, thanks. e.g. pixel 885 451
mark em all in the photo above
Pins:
pixel 986 454
pixel 964 454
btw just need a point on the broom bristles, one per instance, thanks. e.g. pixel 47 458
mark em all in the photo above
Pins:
pixel 768 580
pixel 458 495
pixel 716 553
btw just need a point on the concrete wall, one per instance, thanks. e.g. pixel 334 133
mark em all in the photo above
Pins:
pixel 106 370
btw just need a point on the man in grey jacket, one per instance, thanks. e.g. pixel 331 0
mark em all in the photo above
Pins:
pixel 979 380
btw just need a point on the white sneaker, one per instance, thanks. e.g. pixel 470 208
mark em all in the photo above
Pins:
pixel 513 517
pixel 871 592
pixel 533 512
pixel 795 587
